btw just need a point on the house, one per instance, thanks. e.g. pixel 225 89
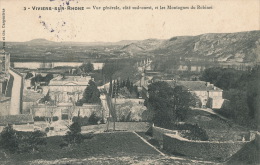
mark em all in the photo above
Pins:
pixel 209 95
pixel 68 89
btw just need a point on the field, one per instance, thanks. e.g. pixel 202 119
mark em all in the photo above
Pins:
pixel 103 148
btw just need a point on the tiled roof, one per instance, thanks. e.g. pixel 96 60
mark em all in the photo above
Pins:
pixel 198 86
pixel 16 119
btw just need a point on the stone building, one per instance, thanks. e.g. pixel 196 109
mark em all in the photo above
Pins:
pixel 67 89
pixel 209 95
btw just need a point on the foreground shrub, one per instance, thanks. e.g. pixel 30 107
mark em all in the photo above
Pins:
pixel 83 121
pixel 30 141
pixel 9 139
pixel 14 141
pixel 74 135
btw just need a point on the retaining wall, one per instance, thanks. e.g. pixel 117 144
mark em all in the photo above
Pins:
pixel 207 150
pixel 159 132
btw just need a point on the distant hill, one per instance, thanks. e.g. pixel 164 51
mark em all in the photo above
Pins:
pixel 233 47
pixel 39 41
pixel 144 45
pixel 226 47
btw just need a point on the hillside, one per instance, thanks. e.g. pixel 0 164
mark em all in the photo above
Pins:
pixel 142 46
pixel 232 47
pixel 222 47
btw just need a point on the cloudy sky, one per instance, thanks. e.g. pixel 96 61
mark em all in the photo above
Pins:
pixel 92 25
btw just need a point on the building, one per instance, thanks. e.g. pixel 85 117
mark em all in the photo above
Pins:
pixel 30 99
pixel 68 89
pixel 4 61
pixel 11 96
pixel 209 95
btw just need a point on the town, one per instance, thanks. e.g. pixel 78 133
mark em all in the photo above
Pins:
pixel 169 109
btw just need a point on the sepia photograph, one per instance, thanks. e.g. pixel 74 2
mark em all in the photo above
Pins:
pixel 122 82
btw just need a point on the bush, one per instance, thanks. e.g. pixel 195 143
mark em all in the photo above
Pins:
pixel 9 139
pixel 14 141
pixel 82 120
pixel 39 118
pixel 42 118
pixel 30 141
pixel 74 135
pixel 191 131
pixel 93 119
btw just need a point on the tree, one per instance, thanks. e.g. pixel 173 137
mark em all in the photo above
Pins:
pixel 160 102
pixel 48 77
pixel 168 104
pixel 28 75
pixel 183 99
pixel 9 139
pixel 87 67
pixel 91 93
pixel 74 135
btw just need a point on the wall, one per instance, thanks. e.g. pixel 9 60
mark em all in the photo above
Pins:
pixel 159 132
pixel 4 106
pixel 85 110
pixel 16 93
pixel 207 150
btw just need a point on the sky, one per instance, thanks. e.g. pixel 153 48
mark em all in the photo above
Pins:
pixel 91 25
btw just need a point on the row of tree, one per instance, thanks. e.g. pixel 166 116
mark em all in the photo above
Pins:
pixel 125 88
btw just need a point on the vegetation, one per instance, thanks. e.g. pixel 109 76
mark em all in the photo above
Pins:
pixel 120 69
pixel 39 78
pixel 240 88
pixel 93 119
pixel 191 131
pixel 18 142
pixel 105 144
pixel 87 67
pixel 30 142
pixel 9 139
pixel 168 104
pixel 74 136
pixel 90 95
pixel 124 88
pixel 28 75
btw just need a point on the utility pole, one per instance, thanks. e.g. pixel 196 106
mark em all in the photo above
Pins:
pixel 110 92
pixel 114 119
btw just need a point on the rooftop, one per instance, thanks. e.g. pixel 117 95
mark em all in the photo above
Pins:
pixel 70 80
pixel 30 96
pixel 198 85
pixel 191 85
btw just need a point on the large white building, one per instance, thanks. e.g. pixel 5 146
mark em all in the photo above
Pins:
pixel 209 95
pixel 68 89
